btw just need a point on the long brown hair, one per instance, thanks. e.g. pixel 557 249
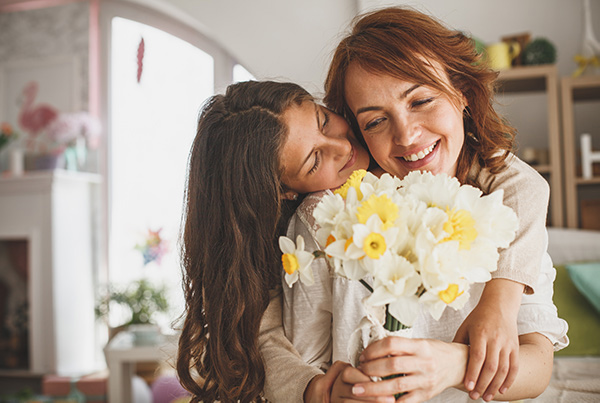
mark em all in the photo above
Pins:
pixel 403 42
pixel 233 215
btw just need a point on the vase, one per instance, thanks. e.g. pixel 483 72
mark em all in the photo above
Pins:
pixel 145 334
pixel 16 162
pixel 36 162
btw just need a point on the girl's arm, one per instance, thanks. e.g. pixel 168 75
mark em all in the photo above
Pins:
pixel 490 331
pixel 286 374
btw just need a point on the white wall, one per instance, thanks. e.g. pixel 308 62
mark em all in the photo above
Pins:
pixel 559 21
pixel 280 39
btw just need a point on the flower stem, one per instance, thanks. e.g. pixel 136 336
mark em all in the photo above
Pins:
pixel 363 282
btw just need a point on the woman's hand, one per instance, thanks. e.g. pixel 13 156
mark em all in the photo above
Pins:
pixel 428 367
pixel 491 332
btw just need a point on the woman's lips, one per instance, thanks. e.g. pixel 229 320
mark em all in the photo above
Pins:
pixel 351 160
pixel 420 162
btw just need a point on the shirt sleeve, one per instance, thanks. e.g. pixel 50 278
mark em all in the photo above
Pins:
pixel 527 193
pixel 286 374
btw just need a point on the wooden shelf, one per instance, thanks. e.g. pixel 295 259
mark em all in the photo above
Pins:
pixel 543 169
pixel 591 181
pixel 542 79
pixel 585 88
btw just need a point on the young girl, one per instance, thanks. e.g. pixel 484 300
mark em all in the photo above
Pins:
pixel 423 101
pixel 236 207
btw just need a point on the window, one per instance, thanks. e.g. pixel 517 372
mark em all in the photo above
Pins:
pixel 158 83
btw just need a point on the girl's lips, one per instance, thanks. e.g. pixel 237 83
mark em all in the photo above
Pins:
pixel 352 159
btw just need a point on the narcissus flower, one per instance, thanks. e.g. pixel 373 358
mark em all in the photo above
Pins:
pixel 296 261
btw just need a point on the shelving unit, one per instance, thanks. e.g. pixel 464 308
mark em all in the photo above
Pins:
pixel 542 79
pixel 585 88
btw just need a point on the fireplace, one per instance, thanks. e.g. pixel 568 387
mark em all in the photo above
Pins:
pixel 14 305
pixel 47 273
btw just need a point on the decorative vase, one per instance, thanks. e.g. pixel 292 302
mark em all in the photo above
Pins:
pixel 36 162
pixel 145 334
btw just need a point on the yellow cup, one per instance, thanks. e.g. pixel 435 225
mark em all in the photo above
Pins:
pixel 501 54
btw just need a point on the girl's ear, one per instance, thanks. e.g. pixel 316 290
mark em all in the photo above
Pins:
pixel 289 195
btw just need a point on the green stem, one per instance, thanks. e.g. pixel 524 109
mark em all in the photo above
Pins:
pixel 363 282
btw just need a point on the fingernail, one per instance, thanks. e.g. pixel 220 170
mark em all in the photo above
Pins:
pixel 488 397
pixel 503 389
pixel 470 385
pixel 358 390
pixel 474 395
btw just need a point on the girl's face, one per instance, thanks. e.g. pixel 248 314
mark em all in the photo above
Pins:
pixel 406 126
pixel 320 151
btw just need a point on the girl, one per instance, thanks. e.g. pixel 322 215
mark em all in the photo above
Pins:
pixel 236 206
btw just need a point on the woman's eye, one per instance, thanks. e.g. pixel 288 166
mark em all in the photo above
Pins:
pixel 373 123
pixel 420 102
pixel 316 165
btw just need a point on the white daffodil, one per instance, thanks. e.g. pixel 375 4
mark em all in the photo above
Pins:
pixel 328 208
pixel 371 241
pixel 395 283
pixel 296 261
pixel 454 295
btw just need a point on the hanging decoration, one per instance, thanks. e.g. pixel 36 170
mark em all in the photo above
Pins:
pixel 154 247
pixel 589 58
pixel 140 59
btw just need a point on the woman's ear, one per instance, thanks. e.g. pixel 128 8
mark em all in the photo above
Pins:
pixel 290 195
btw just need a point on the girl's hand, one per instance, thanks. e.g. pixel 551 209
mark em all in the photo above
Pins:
pixel 491 332
pixel 336 386
pixel 428 367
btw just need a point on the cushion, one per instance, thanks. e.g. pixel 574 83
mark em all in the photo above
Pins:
pixel 586 277
pixel 580 314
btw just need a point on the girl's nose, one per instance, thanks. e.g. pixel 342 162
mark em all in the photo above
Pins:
pixel 339 146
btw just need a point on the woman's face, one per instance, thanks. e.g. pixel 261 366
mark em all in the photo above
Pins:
pixel 320 151
pixel 406 126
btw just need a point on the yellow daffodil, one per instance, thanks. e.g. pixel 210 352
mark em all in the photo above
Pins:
pixel 382 206
pixel 353 181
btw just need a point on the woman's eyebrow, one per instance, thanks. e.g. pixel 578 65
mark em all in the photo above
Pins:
pixel 376 108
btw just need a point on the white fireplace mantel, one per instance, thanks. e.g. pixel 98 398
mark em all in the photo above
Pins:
pixel 52 210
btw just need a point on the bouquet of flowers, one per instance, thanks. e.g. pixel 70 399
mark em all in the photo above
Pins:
pixel 7 134
pixel 416 242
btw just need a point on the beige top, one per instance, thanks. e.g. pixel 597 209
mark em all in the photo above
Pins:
pixel 318 319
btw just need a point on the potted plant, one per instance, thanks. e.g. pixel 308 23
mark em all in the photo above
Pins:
pixel 143 301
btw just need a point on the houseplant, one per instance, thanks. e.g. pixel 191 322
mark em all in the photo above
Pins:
pixel 141 301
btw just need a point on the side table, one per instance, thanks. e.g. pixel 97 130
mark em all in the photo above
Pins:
pixel 122 355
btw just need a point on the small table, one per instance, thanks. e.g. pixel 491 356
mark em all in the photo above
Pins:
pixel 122 355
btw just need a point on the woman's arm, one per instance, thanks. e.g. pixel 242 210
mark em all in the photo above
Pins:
pixel 432 366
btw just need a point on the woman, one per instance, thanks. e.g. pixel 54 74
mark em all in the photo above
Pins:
pixel 250 142
pixel 422 101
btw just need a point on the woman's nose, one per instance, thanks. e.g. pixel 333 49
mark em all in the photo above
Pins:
pixel 405 132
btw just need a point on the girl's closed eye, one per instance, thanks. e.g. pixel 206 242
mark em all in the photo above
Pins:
pixel 325 119
pixel 316 165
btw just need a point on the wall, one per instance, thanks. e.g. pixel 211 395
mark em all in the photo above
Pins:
pixel 48 32
pixel 273 39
